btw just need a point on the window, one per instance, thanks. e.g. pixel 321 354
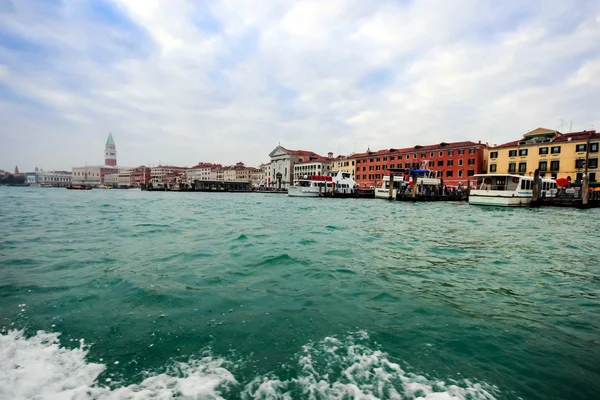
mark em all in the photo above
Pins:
pixel 555 150
pixel 580 163
pixel 370 160
pixel 580 148
pixel 440 163
pixel 593 147
pixel 450 163
pixel 522 167
pixel 391 165
pixel 408 156
pixel 593 177
pixel 377 167
pixel 431 164
pixel 357 161
pixel 392 158
pixel 543 166
pixel 494 154
pixel 441 154
pixel 431 154
pixel 460 173
pixel 512 153
pixel 543 150
pixel 593 163
pixel 579 177
pixel 450 152
pixel 471 161
pixel 523 152
pixel 415 155
pixel 422 155
pixel 364 176
pixel 378 159
pixel 512 167
pixel 460 162
pixel 384 158
pixel 449 174
pixel 554 165
pixel 462 151
pixel 471 172
pixel 407 165
pixel 377 176
pixel 438 174
pixel 492 167
pixel 364 168
pixel 471 151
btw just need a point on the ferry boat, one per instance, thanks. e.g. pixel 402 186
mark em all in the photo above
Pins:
pixel 322 185
pixel 508 190
pixel 424 177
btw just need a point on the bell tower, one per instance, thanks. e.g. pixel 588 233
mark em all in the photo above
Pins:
pixel 110 152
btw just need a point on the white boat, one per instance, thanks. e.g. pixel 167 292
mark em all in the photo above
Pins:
pixel 383 192
pixel 424 178
pixel 508 190
pixel 321 185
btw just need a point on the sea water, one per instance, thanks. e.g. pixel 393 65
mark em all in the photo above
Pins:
pixel 123 294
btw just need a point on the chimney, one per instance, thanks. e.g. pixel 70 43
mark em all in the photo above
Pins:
pixel 330 155
pixel 479 142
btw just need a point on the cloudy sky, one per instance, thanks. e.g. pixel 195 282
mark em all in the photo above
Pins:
pixel 180 82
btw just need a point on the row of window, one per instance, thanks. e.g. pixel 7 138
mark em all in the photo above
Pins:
pixel 544 150
pixel 440 163
pixel 414 156
pixel 543 165
pixel 439 174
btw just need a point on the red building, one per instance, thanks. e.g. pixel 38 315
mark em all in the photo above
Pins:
pixel 139 175
pixel 453 162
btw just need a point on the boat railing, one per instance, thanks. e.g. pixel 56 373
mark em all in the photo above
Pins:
pixel 500 188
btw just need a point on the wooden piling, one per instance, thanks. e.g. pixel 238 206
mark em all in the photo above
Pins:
pixel 391 191
pixel 536 186
pixel 585 190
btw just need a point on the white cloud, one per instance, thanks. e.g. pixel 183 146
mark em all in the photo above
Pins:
pixel 225 81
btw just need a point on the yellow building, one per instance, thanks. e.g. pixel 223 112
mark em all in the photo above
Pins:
pixel 554 154
pixel 344 163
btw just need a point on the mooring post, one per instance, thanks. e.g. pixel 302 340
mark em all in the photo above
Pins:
pixel 535 190
pixel 391 191
pixel 415 184
pixel 585 190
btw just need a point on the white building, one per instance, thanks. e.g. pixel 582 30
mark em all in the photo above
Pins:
pixel 281 170
pixel 200 172
pixel 229 174
pixel 111 179
pixel 52 178
pixel 157 173
pixel 92 175
pixel 320 166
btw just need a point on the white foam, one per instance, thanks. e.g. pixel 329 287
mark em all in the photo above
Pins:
pixel 336 369
pixel 38 367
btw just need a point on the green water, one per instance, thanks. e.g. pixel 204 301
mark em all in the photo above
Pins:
pixel 206 295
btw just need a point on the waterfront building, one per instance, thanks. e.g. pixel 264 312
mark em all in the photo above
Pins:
pixel 229 173
pixel 313 166
pixel 139 175
pixel 53 178
pixel 454 162
pixel 110 152
pixel 281 170
pixel 554 154
pixel 243 173
pixel 200 172
pixel 31 178
pixel 258 176
pixel 157 173
pixel 92 175
pixel 111 179
pixel 345 164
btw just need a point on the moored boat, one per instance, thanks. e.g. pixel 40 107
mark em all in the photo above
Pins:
pixel 507 190
pixel 78 187
pixel 323 185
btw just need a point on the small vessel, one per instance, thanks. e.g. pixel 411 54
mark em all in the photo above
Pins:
pixel 508 190
pixel 404 178
pixel 78 187
pixel 104 187
pixel 323 185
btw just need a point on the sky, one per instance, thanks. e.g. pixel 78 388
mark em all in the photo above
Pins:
pixel 179 81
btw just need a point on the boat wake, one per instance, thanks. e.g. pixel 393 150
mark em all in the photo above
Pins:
pixel 39 367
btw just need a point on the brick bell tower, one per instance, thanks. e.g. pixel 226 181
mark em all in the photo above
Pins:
pixel 110 152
